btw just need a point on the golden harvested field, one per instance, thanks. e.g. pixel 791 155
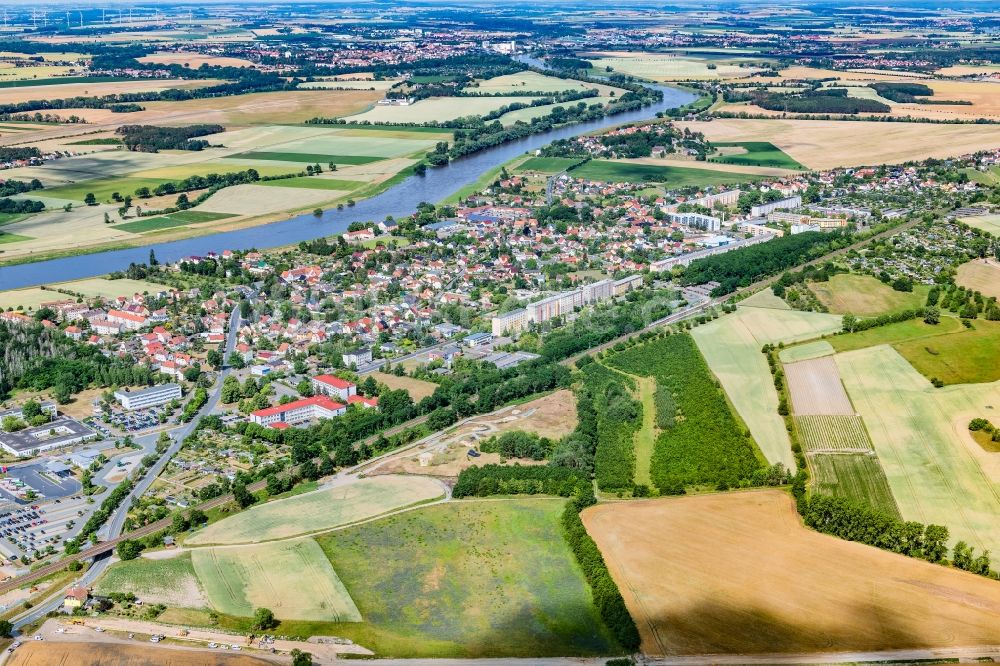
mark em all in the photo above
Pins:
pixel 968 70
pixel 669 67
pixel 262 199
pixel 194 60
pixel 799 72
pixel 982 275
pixel 748 578
pixel 825 144
pixel 417 388
pixel 64 90
pixel 61 653
pixel 534 82
pixel 984 95
pixel 816 389
pixel 435 108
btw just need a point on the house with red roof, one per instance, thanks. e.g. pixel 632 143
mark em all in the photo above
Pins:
pixel 333 386
pixel 298 411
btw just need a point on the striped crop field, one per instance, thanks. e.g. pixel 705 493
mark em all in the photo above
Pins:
pixel 856 476
pixel 833 434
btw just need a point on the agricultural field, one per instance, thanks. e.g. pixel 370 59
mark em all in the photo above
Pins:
pixel 194 60
pixel 292 578
pixel 33 297
pixel 262 199
pixel 319 510
pixel 527 114
pixel 825 144
pixel 776 594
pixel 754 153
pixel 439 109
pixel 417 388
pixel 14 95
pixel 864 295
pixel 529 81
pixel 382 85
pixel 912 330
pixel 938 474
pixel 89 653
pixel 177 219
pixel 806 351
pixel 625 171
pixel 316 183
pixel 815 388
pixel 982 275
pixel 985 102
pixel 856 476
pixel 990 223
pixel 667 67
pixel 731 346
pixel 966 357
pixel 547 164
pixel 169 581
pixel 468 579
pixel 833 434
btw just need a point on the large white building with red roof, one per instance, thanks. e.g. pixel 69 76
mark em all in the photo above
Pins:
pixel 333 386
pixel 306 409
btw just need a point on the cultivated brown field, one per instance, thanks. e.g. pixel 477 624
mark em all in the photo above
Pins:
pixel 62 91
pixel 737 573
pixel 816 388
pixel 417 388
pixel 102 654
pixel 825 144
pixel 194 60
pixel 981 275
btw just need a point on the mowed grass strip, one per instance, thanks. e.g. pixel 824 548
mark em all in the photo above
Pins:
pixel 314 183
pixel 856 476
pixel 320 510
pixel 292 578
pixel 307 158
pixel 171 220
pixel 969 356
pixel 170 581
pixel 785 589
pixel 13 238
pixel 758 153
pixel 864 295
pixel 914 329
pixel 468 579
pixel 548 164
pixel 624 172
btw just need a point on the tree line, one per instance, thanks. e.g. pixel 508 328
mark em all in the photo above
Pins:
pixel 153 139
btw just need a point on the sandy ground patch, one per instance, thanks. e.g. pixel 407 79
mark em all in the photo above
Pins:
pixel 982 275
pixel 261 199
pixel 417 388
pixel 816 389
pixel 777 593
pixel 825 144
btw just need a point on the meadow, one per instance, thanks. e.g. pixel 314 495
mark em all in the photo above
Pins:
pixel 912 330
pixel 968 356
pixel 755 153
pixel 990 223
pixel 177 219
pixel 776 595
pixel 169 581
pixel 825 144
pixel 666 67
pixel 527 114
pixel 33 297
pixel 317 511
pixel 417 388
pixel 671 176
pixel 731 345
pixel 863 295
pixel 468 579
pixel 937 473
pixel 529 81
pixel 440 109
pixel 547 164
pixel 292 578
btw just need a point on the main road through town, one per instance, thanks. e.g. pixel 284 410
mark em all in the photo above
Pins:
pixel 398 201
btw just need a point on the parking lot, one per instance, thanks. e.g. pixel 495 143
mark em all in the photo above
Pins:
pixel 128 422
pixel 37 478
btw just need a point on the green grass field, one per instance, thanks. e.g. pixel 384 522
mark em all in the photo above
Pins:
pixel 314 183
pixel 548 164
pixel 172 220
pixel 914 329
pixel 806 351
pixel 864 295
pixel 12 238
pixel 990 223
pixel 292 578
pixel 624 172
pixel 856 476
pixel 468 579
pixel 645 436
pixel 307 158
pixel 968 356
pixel 758 153
pixel 937 473
pixel 103 188
pixel 990 177
pixel 168 581
pixel 320 510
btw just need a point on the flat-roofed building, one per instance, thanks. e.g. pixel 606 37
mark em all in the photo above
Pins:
pixel 510 323
pixel 333 386
pixel 307 409
pixel 148 397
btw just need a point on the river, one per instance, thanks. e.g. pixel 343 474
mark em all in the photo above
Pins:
pixel 398 201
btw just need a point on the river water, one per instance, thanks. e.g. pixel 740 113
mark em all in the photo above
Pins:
pixel 398 201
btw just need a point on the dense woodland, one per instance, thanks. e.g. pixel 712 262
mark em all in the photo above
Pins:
pixel 153 139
